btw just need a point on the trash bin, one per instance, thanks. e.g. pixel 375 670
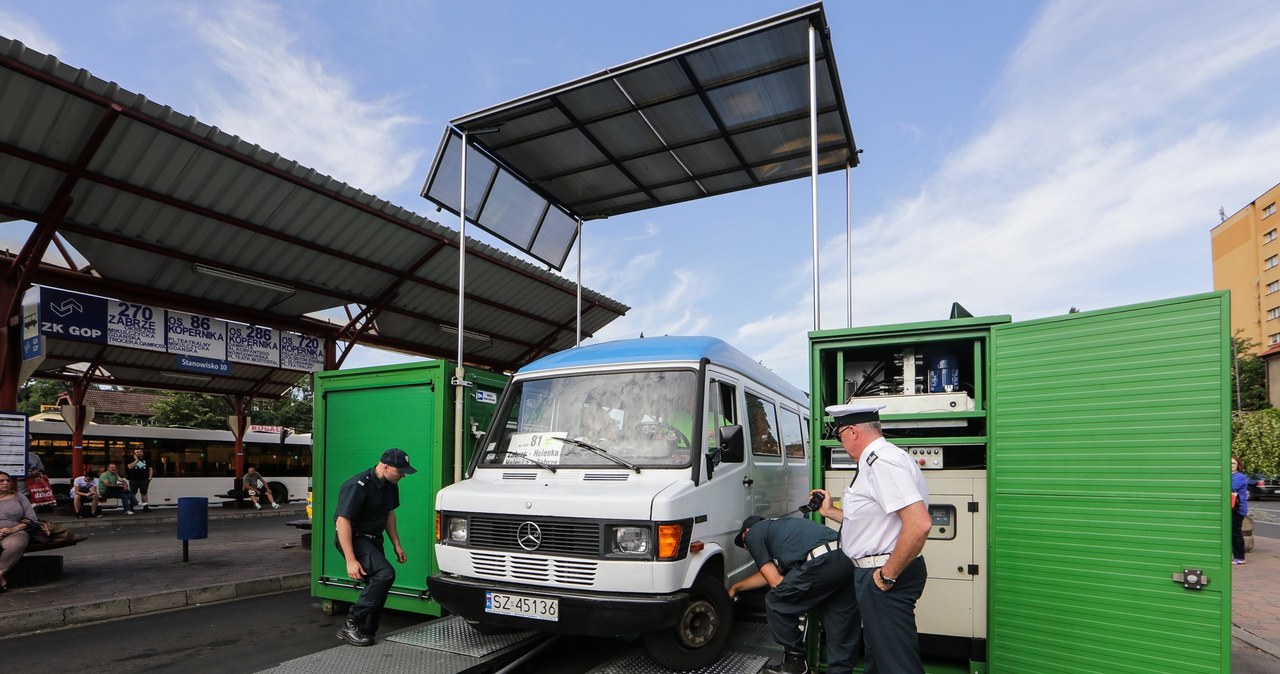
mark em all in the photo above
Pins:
pixel 193 518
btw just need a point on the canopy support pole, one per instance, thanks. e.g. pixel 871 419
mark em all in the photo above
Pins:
pixel 459 373
pixel 848 240
pixel 578 313
pixel 813 165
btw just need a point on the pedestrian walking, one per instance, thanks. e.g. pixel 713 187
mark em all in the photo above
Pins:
pixel 139 472
pixel 366 509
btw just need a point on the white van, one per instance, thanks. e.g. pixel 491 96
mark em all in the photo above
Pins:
pixel 607 493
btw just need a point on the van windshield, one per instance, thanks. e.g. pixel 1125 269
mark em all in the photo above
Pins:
pixel 644 418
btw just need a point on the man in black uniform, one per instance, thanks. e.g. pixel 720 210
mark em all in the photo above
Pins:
pixel 801 561
pixel 366 508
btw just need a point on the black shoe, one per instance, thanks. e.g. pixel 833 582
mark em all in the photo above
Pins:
pixel 792 663
pixel 352 635
pixel 146 508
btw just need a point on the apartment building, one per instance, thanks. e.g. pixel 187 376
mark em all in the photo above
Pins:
pixel 1246 261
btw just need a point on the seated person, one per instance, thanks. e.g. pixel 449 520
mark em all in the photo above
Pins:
pixel 14 507
pixel 255 485
pixel 85 487
pixel 111 485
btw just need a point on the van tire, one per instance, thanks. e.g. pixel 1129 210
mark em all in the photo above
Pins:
pixel 279 491
pixel 700 635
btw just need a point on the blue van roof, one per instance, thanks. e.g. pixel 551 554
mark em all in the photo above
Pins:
pixel 660 349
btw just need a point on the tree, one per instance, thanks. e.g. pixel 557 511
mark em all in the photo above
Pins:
pixel 37 392
pixel 197 410
pixel 1248 377
pixel 1255 440
pixel 293 410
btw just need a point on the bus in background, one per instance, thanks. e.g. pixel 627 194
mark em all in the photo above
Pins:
pixel 187 461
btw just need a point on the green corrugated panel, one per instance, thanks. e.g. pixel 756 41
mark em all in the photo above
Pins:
pixel 1108 473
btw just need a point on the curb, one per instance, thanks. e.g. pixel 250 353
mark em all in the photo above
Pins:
pixel 1238 632
pixel 24 622
pixel 117 520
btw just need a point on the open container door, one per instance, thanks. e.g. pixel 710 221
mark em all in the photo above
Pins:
pixel 1108 474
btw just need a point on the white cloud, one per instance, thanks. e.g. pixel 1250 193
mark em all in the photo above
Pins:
pixel 27 31
pixel 1118 131
pixel 287 100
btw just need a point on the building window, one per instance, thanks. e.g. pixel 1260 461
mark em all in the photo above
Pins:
pixel 1269 209
pixel 1275 338
pixel 1273 313
pixel 1272 261
pixel 1272 287
pixel 1269 236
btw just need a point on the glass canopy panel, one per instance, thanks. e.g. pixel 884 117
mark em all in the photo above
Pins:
pixel 682 120
pixel 615 205
pixel 625 135
pixel 782 95
pixel 726 182
pixel 709 157
pixel 656 169
pixel 677 193
pixel 657 82
pixel 535 119
pixel 584 185
pixel 594 100
pixel 555 238
pixel 752 54
pixel 547 156
pixel 512 211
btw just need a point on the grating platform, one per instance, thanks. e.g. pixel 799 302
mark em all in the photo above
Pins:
pixel 453 635
pixel 637 662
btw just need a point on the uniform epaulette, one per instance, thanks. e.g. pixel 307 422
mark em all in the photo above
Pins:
pixel 360 482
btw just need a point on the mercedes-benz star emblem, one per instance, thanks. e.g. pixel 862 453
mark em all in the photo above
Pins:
pixel 529 536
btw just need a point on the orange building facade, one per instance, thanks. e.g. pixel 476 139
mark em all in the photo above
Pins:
pixel 1246 261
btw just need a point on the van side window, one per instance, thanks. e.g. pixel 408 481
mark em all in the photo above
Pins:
pixel 792 438
pixel 762 420
pixel 722 411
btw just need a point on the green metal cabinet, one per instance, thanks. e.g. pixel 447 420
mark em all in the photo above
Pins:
pixel 358 414
pixel 1101 441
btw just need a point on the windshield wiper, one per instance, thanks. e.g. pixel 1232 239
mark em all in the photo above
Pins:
pixel 596 450
pixel 532 460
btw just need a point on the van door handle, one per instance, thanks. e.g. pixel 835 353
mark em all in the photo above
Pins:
pixel 747 482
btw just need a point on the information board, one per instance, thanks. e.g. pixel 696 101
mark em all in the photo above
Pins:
pixel 13 444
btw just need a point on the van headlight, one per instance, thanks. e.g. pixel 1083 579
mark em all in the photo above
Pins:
pixel 457 528
pixel 632 540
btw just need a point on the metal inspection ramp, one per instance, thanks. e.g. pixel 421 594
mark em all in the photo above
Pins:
pixel 444 646
pixel 637 662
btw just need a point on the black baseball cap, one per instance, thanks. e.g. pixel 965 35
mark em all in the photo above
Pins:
pixel 742 531
pixel 396 458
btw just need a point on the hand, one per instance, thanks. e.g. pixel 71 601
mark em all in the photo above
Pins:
pixel 354 570
pixel 400 556
pixel 876 577
pixel 733 591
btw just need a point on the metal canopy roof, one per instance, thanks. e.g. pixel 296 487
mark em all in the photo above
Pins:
pixel 717 115
pixel 173 212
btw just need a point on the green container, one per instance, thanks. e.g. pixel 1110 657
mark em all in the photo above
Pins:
pixel 358 414
pixel 1102 440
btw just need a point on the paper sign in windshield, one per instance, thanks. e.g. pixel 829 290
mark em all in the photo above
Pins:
pixel 541 447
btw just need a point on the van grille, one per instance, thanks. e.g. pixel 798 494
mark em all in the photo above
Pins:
pixel 606 477
pixel 579 539
pixel 519 476
pixel 534 569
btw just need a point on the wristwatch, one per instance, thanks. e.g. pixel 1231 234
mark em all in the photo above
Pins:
pixel 887 580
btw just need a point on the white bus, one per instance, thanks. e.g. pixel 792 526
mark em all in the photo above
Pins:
pixel 187 461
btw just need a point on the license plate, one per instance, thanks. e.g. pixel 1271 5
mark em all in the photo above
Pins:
pixel 536 608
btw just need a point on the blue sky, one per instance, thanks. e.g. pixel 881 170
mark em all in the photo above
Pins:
pixel 1020 158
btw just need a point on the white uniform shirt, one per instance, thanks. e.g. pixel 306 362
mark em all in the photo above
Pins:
pixel 888 481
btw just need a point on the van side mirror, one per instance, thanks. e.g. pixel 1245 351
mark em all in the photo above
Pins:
pixel 732 445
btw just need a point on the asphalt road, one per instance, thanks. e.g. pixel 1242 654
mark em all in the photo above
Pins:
pixel 1266 518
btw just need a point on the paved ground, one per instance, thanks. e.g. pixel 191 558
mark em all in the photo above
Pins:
pixel 102 581
pixel 224 567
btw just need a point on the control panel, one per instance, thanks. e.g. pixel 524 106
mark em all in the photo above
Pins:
pixel 929 458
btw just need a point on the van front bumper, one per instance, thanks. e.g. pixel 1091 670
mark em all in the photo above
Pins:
pixel 584 613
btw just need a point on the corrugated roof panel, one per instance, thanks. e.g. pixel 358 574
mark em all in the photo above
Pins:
pixel 164 191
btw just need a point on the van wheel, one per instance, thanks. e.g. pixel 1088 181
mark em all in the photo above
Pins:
pixel 279 491
pixel 699 636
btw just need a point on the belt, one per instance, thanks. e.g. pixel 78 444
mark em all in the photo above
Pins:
pixel 871 561
pixel 372 537
pixel 829 546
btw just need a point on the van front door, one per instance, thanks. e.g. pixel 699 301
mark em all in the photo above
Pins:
pixel 728 490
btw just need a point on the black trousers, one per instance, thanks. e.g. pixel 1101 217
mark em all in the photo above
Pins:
pixel 1237 534
pixel 379 577
pixel 890 643
pixel 823 584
